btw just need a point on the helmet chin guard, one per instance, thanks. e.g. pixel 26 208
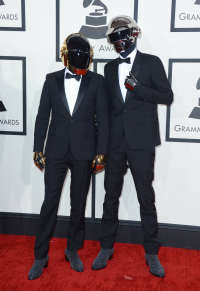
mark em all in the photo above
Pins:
pixel 77 54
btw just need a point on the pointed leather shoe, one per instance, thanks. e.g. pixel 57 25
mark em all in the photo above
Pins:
pixel 155 266
pixel 37 268
pixel 74 260
pixel 102 259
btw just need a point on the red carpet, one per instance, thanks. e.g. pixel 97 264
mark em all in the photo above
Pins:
pixel 127 270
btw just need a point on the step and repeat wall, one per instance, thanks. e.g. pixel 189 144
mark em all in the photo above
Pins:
pixel 31 34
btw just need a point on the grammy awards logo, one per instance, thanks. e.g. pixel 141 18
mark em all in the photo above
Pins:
pixel 185 16
pixel 95 23
pixel 1 2
pixel 196 110
pixel 2 107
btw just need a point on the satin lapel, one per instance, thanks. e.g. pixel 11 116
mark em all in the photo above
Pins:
pixel 135 70
pixel 61 89
pixel 136 65
pixel 82 90
pixel 115 80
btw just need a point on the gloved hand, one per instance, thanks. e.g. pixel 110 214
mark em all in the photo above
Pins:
pixel 131 82
pixel 98 163
pixel 39 160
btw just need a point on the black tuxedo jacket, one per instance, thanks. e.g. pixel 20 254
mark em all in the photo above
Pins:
pixel 136 119
pixel 85 133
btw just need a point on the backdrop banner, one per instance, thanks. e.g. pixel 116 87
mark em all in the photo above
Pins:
pixel 185 15
pixel 12 14
pixel 31 35
pixel 184 116
pixel 13 95
pixel 91 17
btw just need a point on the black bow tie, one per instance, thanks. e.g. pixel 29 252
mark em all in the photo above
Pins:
pixel 127 60
pixel 69 76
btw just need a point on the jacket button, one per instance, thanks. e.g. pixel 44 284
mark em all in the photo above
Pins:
pixel 125 110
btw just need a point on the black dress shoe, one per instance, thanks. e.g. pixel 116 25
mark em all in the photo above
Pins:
pixel 74 260
pixel 102 259
pixel 155 266
pixel 37 268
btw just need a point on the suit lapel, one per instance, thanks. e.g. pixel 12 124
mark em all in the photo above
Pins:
pixel 135 70
pixel 115 80
pixel 61 89
pixel 136 65
pixel 82 90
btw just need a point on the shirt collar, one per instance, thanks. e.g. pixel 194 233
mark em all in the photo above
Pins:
pixel 68 71
pixel 131 55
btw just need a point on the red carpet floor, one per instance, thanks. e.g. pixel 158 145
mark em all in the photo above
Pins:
pixel 127 270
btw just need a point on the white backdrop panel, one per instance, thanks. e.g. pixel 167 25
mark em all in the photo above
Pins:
pixel 177 164
pixel 11 14
pixel 187 14
pixel 182 125
pixel 73 18
pixel 11 92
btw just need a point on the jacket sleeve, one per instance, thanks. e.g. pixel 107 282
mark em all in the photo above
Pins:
pixel 102 117
pixel 42 119
pixel 161 92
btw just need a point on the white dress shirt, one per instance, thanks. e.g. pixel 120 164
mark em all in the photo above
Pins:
pixel 124 70
pixel 71 90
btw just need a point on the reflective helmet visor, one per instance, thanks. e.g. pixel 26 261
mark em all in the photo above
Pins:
pixel 78 52
pixel 78 58
pixel 119 35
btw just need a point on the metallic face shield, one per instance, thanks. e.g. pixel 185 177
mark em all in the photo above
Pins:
pixel 123 39
pixel 79 59
pixel 122 32
pixel 125 34
pixel 77 54
pixel 122 45
pixel 118 35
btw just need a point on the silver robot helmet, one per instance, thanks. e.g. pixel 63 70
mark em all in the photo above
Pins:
pixel 122 32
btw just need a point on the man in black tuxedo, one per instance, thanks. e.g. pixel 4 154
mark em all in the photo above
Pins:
pixel 136 83
pixel 76 100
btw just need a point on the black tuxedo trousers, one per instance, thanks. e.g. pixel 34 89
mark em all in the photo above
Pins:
pixel 141 163
pixel 55 173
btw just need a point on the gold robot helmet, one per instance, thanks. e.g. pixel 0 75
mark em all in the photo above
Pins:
pixel 77 54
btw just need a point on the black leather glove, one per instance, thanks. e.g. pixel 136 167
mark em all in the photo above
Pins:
pixel 131 82
pixel 39 160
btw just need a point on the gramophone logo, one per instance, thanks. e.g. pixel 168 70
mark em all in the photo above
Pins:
pixel 91 18
pixel 13 95
pixel 2 2
pixel 96 22
pixel 183 118
pixel 197 2
pixel 2 107
pixel 196 110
